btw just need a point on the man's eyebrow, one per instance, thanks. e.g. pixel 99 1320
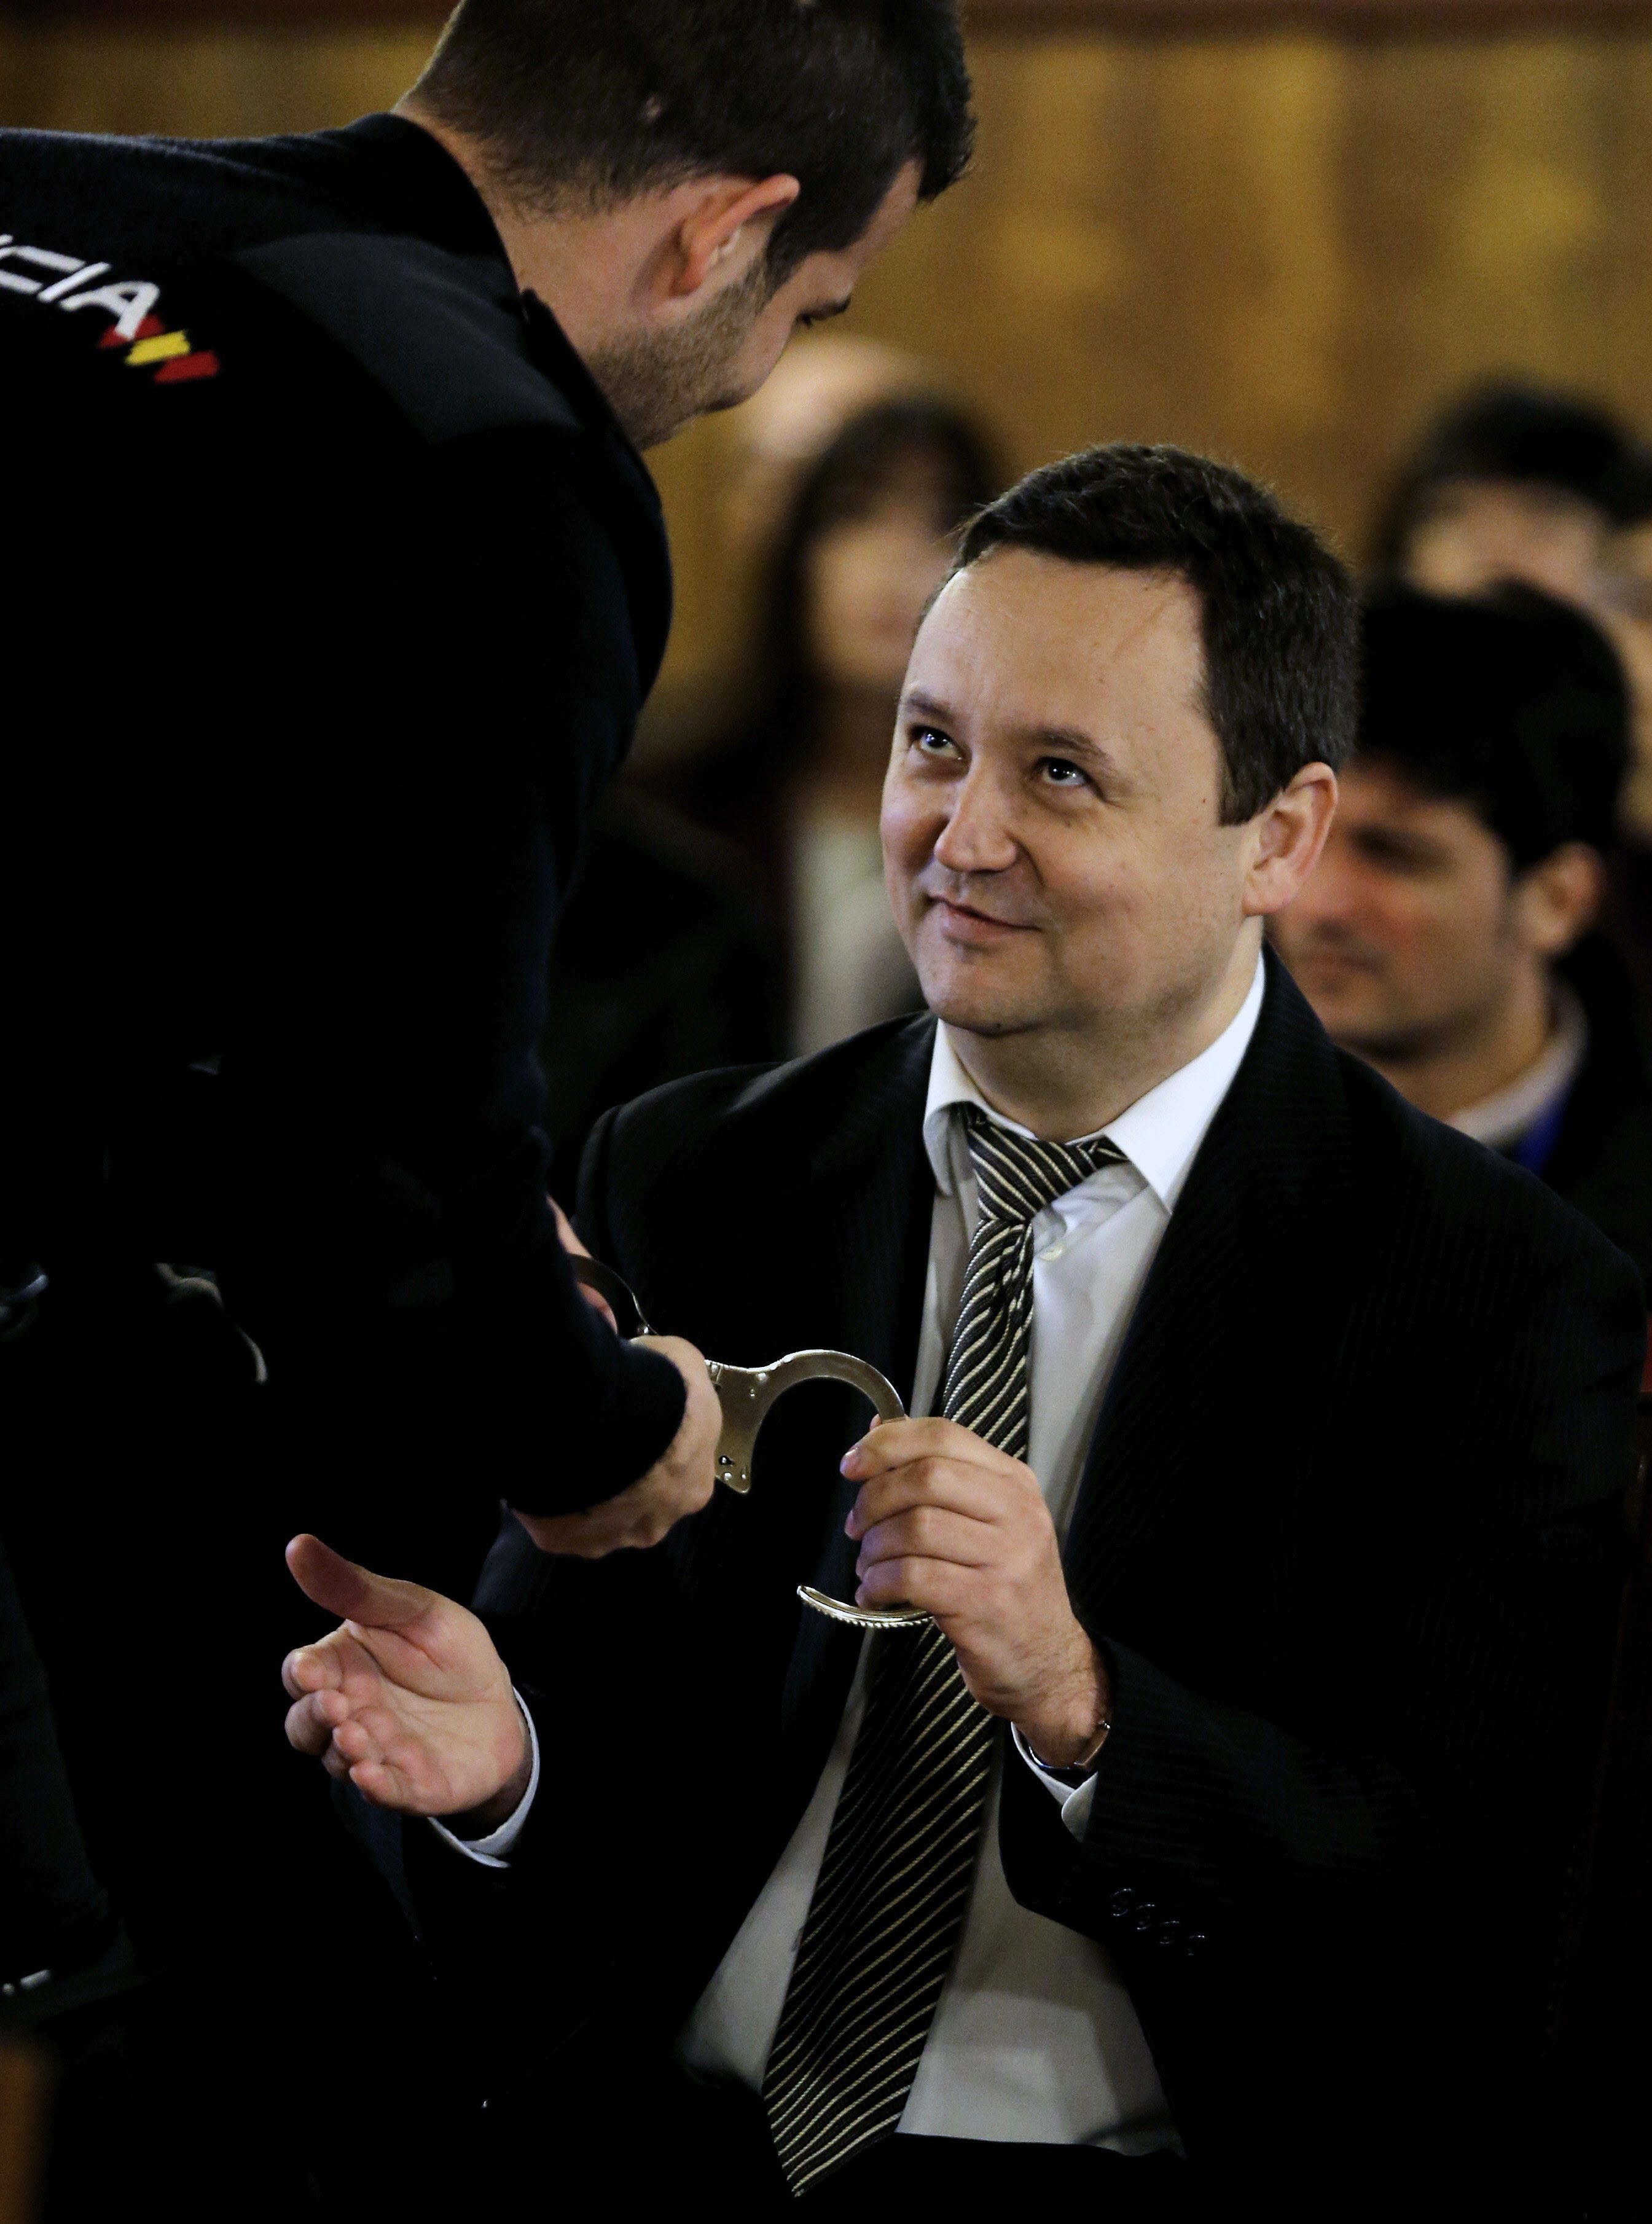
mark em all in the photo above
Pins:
pixel 926 706
pixel 1072 742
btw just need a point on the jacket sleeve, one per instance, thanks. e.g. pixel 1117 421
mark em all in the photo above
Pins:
pixel 1464 1675
pixel 53 1915
pixel 389 1221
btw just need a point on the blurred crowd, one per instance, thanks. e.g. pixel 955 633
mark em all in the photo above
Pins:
pixel 1480 928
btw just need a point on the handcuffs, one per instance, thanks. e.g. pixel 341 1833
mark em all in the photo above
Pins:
pixel 746 1395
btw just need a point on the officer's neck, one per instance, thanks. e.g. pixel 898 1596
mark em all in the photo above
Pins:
pixel 596 270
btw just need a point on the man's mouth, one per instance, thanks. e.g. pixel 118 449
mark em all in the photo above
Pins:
pixel 969 924
pixel 1336 960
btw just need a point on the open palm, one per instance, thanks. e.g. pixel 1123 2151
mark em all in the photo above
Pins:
pixel 407 1698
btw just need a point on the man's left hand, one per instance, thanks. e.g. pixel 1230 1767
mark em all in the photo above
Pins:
pixel 950 1523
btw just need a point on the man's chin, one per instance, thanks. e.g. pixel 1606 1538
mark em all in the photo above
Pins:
pixel 1382 1038
pixel 1348 1020
pixel 976 1013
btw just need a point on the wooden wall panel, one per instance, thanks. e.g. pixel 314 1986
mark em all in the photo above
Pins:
pixel 1282 249
pixel 215 81
pixel 1142 18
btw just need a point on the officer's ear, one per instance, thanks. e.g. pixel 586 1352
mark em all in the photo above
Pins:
pixel 721 226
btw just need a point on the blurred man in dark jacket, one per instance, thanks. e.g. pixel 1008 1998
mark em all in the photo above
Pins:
pixel 1444 934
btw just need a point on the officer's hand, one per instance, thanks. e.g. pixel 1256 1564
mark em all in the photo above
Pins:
pixel 408 1698
pixel 572 1245
pixel 679 1483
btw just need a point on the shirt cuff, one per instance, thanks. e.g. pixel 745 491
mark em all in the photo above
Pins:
pixel 491 1852
pixel 1075 1800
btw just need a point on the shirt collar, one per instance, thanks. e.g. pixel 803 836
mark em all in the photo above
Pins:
pixel 1504 1116
pixel 1160 1134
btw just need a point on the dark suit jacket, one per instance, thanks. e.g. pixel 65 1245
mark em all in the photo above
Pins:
pixel 1601 1163
pixel 1345 1536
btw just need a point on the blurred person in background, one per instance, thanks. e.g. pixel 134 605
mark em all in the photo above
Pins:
pixel 1510 483
pixel 1515 482
pixel 1445 933
pixel 853 550
pixel 662 966
pixel 824 379
pixel 284 870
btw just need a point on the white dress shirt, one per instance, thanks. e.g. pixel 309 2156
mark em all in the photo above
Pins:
pixel 1034 2037
pixel 1508 1112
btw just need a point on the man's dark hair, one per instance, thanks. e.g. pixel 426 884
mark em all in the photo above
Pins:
pixel 1510 434
pixel 603 99
pixel 1280 617
pixel 1511 703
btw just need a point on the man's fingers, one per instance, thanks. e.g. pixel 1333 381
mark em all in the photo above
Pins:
pixel 377 1781
pixel 930 1532
pixel 354 1594
pixel 357 1741
pixel 896 1443
pixel 312 1668
pixel 937 1586
pixel 391 1774
pixel 978 1492
pixel 311 1724
pixel 569 1242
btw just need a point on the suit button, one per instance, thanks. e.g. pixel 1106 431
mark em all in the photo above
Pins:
pixel 1146 1919
pixel 1194 1943
pixel 1170 1931
pixel 1120 1902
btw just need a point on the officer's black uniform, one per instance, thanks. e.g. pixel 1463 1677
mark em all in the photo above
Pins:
pixel 333 588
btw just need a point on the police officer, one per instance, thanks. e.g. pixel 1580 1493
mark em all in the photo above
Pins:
pixel 335 583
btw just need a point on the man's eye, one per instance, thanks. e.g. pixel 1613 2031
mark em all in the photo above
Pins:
pixel 930 742
pixel 1390 854
pixel 1061 772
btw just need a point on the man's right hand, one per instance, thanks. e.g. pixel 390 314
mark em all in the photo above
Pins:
pixel 679 1483
pixel 408 1698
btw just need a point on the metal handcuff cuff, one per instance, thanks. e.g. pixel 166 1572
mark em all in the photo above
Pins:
pixel 746 1395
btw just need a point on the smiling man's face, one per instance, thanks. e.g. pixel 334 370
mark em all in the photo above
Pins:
pixel 1051 814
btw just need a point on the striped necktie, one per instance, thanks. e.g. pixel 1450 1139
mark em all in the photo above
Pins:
pixel 894 1887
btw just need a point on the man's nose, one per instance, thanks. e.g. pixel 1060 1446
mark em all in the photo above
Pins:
pixel 978 837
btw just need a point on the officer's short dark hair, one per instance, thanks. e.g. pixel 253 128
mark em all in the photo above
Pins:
pixel 1279 617
pixel 605 99
pixel 1510 702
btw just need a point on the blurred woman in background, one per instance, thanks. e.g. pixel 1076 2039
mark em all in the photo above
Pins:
pixel 794 780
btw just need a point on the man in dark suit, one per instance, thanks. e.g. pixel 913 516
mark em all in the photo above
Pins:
pixel 1447 932
pixel 1261 1495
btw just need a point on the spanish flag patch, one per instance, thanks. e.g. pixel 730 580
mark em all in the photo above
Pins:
pixel 167 355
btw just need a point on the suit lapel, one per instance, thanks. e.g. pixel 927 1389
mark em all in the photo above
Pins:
pixel 1255 1230
pixel 871 1191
